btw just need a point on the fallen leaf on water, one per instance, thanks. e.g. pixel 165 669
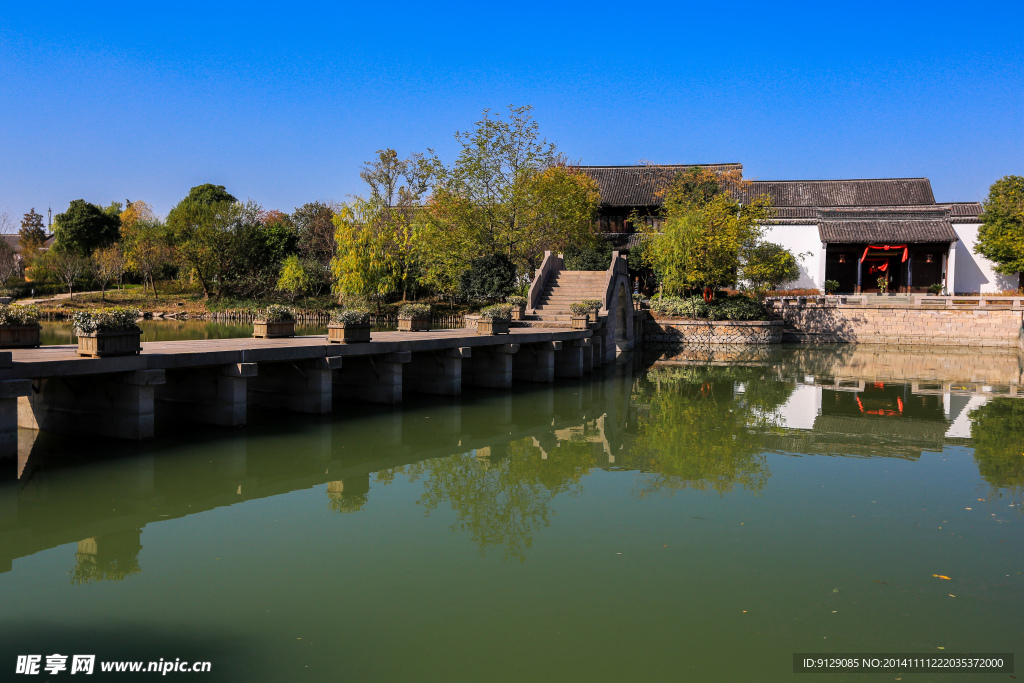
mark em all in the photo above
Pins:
pixel 982 500
pixel 951 595
pixel 835 590
pixel 941 648
pixel 967 508
pixel 940 576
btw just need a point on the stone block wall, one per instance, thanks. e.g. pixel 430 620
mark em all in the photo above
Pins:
pixel 732 332
pixel 900 325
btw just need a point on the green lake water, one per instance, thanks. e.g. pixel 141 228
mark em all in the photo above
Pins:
pixel 696 519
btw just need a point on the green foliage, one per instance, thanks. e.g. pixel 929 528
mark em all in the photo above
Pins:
pixel 203 233
pixel 832 285
pixel 314 223
pixel 497 312
pixel 365 264
pixel 488 277
pixel 414 311
pixel 350 316
pixel 210 194
pixel 83 228
pixel 515 300
pixel 637 257
pixel 767 265
pixel 19 315
pixel 294 278
pixel 995 431
pixel 593 304
pixel 275 313
pixel 737 307
pixel 1001 235
pixel 31 235
pixel 118 319
pixel 588 257
pixel 579 309
pixel 935 288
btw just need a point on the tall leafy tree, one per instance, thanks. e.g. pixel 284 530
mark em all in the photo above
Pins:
pixel 32 234
pixel 209 193
pixel 202 228
pixel 315 224
pixel 366 265
pixel 85 227
pixel 1001 236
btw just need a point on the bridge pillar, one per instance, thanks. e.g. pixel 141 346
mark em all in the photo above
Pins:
pixel 491 366
pixel 212 395
pixel 118 404
pixel 587 354
pixel 376 379
pixel 569 361
pixel 536 362
pixel 10 391
pixel 301 386
pixel 437 372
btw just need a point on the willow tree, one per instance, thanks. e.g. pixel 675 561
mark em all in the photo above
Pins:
pixel 705 232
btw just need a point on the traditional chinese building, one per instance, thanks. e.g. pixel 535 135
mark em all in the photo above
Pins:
pixel 850 231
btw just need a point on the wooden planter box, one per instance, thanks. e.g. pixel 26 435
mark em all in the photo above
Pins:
pixel 580 322
pixel 414 323
pixel 484 326
pixel 592 316
pixel 19 336
pixel 104 344
pixel 519 313
pixel 348 334
pixel 264 330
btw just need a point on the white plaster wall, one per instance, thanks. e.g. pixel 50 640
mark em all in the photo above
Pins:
pixel 973 272
pixel 801 239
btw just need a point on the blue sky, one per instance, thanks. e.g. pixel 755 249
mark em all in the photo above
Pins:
pixel 282 102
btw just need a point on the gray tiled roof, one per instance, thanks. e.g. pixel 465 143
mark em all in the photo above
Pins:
pixel 832 193
pixel 875 230
pixel 629 186
pixel 964 212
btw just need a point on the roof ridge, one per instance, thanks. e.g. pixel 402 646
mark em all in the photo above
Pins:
pixel 837 180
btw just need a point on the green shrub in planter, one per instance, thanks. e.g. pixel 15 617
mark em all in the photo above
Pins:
pixel 275 313
pixel 19 315
pixel 350 316
pixel 579 309
pixel 592 304
pixel 497 312
pixel 935 289
pixel 119 319
pixel 516 301
pixel 831 286
pixel 414 311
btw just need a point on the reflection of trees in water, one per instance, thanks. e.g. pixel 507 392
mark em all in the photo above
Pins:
pixel 348 495
pixel 503 500
pixel 111 557
pixel 997 430
pixel 696 431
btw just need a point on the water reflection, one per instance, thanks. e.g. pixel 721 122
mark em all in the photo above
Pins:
pixel 499 463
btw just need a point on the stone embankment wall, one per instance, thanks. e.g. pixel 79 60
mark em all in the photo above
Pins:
pixel 730 332
pixel 813 322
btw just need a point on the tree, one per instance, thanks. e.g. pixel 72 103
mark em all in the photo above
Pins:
pixel 106 265
pixel 1001 235
pixel 508 192
pixel 203 228
pixel 85 227
pixel 65 266
pixel 365 264
pixel 294 278
pixel 9 263
pixel 315 224
pixel 488 277
pixel 147 250
pixel 32 235
pixel 136 212
pixel 704 235
pixel 767 265
pixel 209 194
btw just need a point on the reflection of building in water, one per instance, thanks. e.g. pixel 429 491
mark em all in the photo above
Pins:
pixel 349 494
pixel 110 557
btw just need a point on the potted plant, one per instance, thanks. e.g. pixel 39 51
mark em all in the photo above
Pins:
pixel 494 319
pixel 414 318
pixel 580 315
pixel 831 286
pixel 518 304
pixel 349 326
pixel 883 285
pixel 935 290
pixel 594 307
pixel 108 332
pixel 274 321
pixel 19 327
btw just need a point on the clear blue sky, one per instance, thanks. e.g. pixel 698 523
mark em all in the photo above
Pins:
pixel 282 102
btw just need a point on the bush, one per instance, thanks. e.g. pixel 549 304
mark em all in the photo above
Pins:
pixel 118 319
pixel 489 277
pixel 588 258
pixel 414 311
pixel 739 307
pixel 497 312
pixel 516 301
pixel 593 304
pixel 19 315
pixel 579 309
pixel 350 316
pixel 275 313
pixel 832 285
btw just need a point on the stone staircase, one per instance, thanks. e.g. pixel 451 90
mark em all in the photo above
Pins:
pixel 562 288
